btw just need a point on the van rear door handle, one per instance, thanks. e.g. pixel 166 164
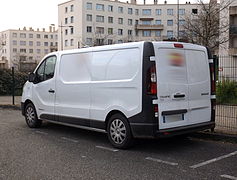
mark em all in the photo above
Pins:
pixel 51 91
pixel 179 95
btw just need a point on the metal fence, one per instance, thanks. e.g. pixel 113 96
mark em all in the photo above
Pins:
pixel 226 109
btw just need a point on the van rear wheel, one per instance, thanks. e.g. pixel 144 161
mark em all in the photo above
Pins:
pixel 119 132
pixel 31 117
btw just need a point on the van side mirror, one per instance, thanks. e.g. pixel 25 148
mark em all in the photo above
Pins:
pixel 31 77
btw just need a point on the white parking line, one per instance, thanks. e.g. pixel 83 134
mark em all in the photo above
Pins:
pixel 229 177
pixel 41 132
pixel 161 161
pixel 213 160
pixel 106 148
pixel 69 139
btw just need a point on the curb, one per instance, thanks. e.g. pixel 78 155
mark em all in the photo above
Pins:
pixel 215 136
pixel 10 106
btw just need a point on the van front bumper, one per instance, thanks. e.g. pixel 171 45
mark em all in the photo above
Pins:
pixel 150 130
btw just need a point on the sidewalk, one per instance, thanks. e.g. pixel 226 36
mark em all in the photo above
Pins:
pixel 7 100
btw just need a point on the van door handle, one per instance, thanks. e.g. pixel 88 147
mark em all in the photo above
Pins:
pixel 51 91
pixel 179 95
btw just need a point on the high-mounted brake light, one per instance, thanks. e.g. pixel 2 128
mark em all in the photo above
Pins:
pixel 176 45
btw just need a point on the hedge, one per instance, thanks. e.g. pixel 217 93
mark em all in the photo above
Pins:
pixel 6 82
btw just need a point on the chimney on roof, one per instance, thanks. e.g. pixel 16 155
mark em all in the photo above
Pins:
pixel 144 1
pixel 155 1
pixel 43 29
pixel 50 28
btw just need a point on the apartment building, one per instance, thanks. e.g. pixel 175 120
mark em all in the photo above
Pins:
pixel 96 22
pixel 24 47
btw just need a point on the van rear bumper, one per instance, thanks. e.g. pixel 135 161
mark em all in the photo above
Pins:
pixel 150 130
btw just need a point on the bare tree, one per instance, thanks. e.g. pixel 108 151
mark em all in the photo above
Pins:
pixel 204 28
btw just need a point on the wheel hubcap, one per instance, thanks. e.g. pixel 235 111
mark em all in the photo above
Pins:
pixel 118 131
pixel 30 115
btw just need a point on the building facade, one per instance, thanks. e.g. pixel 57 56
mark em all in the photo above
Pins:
pixel 98 22
pixel 24 47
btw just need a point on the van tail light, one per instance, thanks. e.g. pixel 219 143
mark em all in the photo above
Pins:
pixel 152 82
pixel 156 110
pixel 213 83
pixel 177 45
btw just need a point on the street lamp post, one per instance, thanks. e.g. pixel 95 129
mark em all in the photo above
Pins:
pixel 61 26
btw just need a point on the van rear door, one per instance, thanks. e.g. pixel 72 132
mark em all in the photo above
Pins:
pixel 183 85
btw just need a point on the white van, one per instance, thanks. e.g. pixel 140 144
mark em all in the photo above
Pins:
pixel 131 90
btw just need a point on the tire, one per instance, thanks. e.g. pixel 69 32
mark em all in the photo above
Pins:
pixel 31 117
pixel 119 132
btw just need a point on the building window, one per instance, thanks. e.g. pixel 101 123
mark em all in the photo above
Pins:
pixel 130 32
pixel 181 22
pixel 66 32
pixel 89 29
pixel 110 41
pixel 22 50
pixel 46 43
pixel 46 36
pixel 110 31
pixel 170 34
pixel 51 36
pixel 71 8
pixel 66 9
pixel 181 33
pixel 89 41
pixel 72 30
pixel 100 18
pixel 89 17
pixel 30 43
pixel 31 36
pixel 66 20
pixel 120 9
pixel 38 36
pixel 14 42
pixel 170 11
pixel 181 11
pixel 38 51
pixel 72 42
pixel 99 7
pixel 38 43
pixel 146 12
pixel 46 51
pixel 72 19
pixel 30 50
pixel 120 41
pixel 146 33
pixel 31 58
pixel 99 42
pixel 130 22
pixel 146 22
pixel 120 20
pixel 158 22
pixel 136 32
pixel 66 43
pixel 129 10
pixel 89 6
pixel 22 35
pixel 110 19
pixel 23 43
pixel 136 22
pixel 100 30
pixel 120 32
pixel 195 11
pixel 110 8
pixel 15 50
pixel 158 33
pixel 169 22
pixel 158 11
pixel 137 11
pixel 14 35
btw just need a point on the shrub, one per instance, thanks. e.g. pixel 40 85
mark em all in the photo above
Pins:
pixel 6 81
pixel 226 92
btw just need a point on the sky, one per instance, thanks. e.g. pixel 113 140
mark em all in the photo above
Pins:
pixel 15 14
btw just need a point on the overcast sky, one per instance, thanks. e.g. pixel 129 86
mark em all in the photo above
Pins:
pixel 16 14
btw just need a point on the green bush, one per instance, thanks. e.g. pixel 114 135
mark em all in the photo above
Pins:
pixel 226 92
pixel 6 81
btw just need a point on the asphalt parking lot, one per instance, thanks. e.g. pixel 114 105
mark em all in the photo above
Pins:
pixel 59 152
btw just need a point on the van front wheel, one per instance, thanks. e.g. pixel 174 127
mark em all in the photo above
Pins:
pixel 119 132
pixel 31 117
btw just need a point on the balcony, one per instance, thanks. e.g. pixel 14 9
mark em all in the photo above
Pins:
pixel 233 11
pixel 233 30
pixel 149 27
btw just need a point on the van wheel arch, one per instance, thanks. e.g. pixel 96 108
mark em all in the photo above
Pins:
pixel 111 113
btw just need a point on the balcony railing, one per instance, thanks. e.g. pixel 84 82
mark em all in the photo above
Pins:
pixel 149 27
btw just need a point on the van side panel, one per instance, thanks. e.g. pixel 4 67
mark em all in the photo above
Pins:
pixel 115 83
